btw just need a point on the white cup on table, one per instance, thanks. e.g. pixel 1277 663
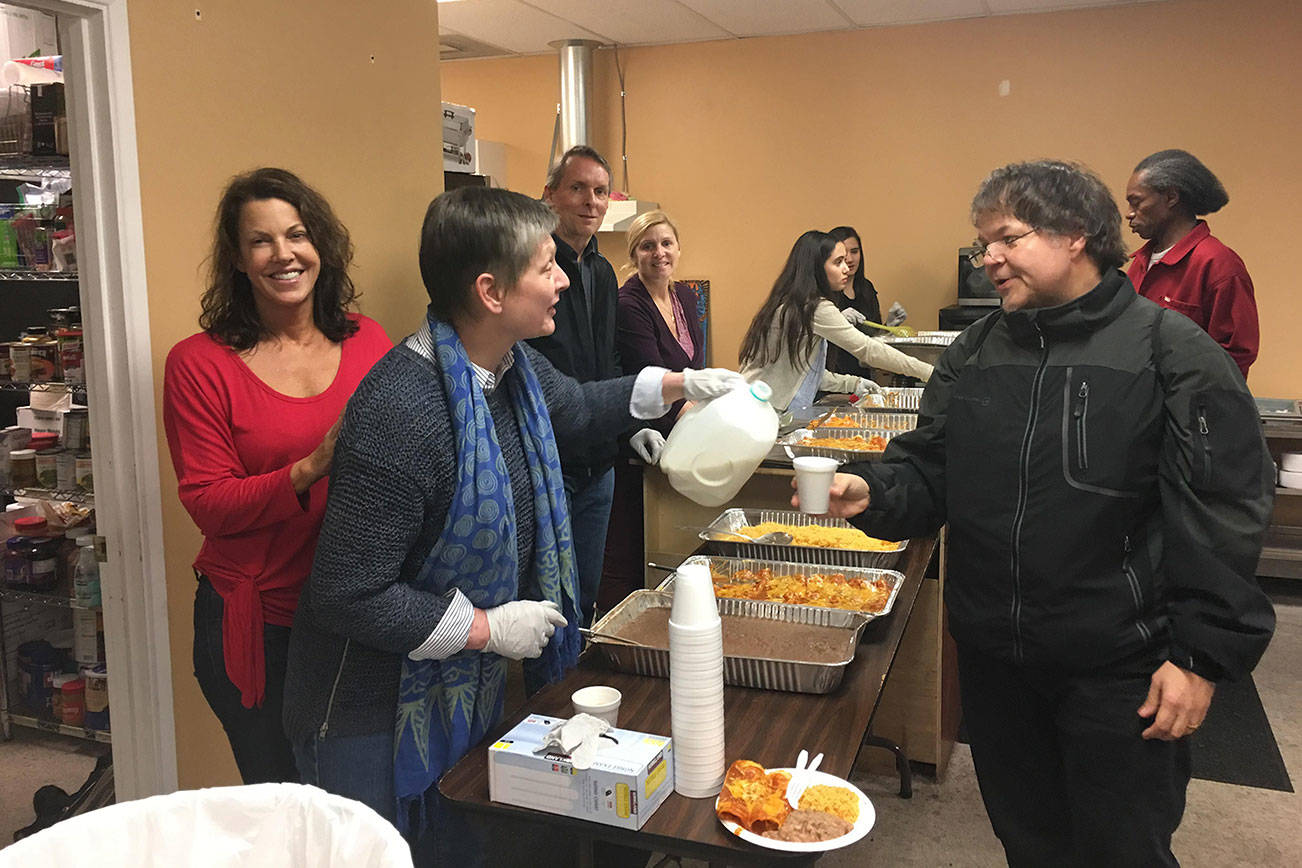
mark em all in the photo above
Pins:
pixel 599 701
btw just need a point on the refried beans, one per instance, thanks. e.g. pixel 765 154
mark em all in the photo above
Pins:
pixel 752 637
pixel 806 827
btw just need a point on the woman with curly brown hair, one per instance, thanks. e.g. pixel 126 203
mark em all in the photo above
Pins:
pixel 251 407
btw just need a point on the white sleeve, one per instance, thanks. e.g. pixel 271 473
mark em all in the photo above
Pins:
pixel 831 324
pixel 648 401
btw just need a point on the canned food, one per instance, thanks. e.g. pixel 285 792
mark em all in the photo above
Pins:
pixel 76 429
pixel 67 467
pixel 22 468
pixel 71 356
pixel 20 362
pixel 47 467
pixel 45 360
pixel 85 477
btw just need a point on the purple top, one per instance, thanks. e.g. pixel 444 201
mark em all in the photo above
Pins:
pixel 644 338
pixel 684 334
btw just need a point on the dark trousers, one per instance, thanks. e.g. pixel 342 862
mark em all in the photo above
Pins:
pixel 257 736
pixel 1064 774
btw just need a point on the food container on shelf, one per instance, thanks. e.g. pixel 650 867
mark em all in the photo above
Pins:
pixel 823 615
pixel 732 519
pixel 768 674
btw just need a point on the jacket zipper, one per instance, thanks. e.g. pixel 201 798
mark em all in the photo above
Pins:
pixel 330 703
pixel 1206 444
pixel 1082 416
pixel 1136 593
pixel 1023 485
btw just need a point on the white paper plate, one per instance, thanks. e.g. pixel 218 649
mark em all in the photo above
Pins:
pixel 867 816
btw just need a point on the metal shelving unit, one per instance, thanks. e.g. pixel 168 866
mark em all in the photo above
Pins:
pixel 29 722
pixel 73 496
pixel 27 166
pixel 29 274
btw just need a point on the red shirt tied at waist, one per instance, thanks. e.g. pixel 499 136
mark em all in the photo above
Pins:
pixel 233 439
pixel 1206 281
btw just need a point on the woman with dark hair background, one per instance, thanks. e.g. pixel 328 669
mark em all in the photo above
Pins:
pixel 251 407
pixel 859 296
pixel 787 341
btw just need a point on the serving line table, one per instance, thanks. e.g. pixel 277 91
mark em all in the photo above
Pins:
pixel 769 727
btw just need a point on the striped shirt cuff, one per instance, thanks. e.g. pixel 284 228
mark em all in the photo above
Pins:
pixel 452 631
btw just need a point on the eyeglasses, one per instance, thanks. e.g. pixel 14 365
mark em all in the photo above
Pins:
pixel 977 258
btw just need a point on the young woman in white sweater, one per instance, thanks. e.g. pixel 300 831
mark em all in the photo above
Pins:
pixel 786 344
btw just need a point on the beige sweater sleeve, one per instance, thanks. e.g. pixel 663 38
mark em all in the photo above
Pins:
pixel 831 324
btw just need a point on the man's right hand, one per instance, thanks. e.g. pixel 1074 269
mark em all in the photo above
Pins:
pixel 847 497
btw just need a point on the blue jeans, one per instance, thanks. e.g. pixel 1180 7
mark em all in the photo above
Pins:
pixel 589 503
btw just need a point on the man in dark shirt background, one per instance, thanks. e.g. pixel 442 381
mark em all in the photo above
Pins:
pixel 583 346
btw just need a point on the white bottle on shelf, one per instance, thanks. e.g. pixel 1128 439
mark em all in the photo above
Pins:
pixel 85 578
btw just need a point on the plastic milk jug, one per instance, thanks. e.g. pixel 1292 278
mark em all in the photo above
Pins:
pixel 716 445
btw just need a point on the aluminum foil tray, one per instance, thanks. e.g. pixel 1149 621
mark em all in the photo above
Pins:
pixel 925 339
pixel 732 519
pixel 824 615
pixel 899 398
pixel 805 442
pixel 869 419
pixel 790 675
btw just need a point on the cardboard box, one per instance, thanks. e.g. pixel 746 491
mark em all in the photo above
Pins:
pixel 458 138
pixel 39 419
pixel 629 779
pixel 25 32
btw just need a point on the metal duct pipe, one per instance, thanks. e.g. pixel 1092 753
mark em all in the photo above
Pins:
pixel 576 83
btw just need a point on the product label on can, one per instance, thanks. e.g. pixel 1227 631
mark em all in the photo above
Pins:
pixel 71 358
pixel 67 465
pixel 47 469
pixel 20 363
pixel 85 476
pixel 45 361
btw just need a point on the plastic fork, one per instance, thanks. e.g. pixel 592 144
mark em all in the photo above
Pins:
pixel 800 777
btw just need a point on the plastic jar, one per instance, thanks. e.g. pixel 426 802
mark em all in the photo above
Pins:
pixel 41 552
pixel 22 468
pixel 56 693
pixel 74 702
pixel 18 569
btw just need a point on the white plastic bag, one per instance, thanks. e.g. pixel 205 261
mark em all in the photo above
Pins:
pixel 271 825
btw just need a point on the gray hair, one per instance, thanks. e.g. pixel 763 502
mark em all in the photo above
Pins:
pixel 557 174
pixel 1057 197
pixel 1173 169
pixel 476 230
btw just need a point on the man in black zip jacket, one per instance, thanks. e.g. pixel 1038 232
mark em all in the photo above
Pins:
pixel 1106 484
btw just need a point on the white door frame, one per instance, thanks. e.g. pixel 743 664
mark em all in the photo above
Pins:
pixel 120 381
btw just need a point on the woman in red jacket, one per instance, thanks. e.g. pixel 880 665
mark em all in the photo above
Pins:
pixel 251 407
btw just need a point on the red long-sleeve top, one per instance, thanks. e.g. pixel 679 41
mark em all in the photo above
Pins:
pixel 233 440
pixel 1206 281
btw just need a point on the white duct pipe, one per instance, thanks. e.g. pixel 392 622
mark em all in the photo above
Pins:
pixel 576 83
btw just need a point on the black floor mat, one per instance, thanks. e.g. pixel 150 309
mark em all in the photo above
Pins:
pixel 1235 744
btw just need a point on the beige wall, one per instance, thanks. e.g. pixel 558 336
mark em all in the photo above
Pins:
pixel 342 94
pixel 749 142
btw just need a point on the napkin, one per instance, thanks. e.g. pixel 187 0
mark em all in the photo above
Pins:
pixel 577 738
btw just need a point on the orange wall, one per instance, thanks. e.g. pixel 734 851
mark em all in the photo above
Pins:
pixel 747 143
pixel 292 84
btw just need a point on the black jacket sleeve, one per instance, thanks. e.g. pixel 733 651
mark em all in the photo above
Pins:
pixel 1217 490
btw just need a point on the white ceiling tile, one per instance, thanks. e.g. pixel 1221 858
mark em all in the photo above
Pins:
pixel 767 17
pixel 513 25
pixel 636 22
pixel 875 13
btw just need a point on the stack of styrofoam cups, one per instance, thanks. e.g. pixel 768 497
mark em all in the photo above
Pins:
pixel 696 684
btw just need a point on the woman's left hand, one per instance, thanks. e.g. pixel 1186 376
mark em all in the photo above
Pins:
pixel 648 444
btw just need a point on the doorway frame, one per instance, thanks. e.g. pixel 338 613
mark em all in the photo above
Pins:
pixel 120 374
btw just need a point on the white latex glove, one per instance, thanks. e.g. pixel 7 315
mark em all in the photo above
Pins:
pixel 578 738
pixel 866 387
pixel 648 444
pixel 709 383
pixel 522 628
pixel 896 315
pixel 854 317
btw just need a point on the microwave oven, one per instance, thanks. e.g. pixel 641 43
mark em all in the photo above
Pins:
pixel 974 288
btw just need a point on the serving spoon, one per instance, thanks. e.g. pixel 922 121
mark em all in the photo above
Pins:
pixel 775 537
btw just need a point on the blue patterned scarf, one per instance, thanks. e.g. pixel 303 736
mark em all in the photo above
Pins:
pixel 447 706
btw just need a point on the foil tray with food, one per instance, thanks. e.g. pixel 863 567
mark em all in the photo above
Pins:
pixel 837 596
pixel 899 398
pixel 845 445
pixel 770 648
pixel 816 539
pixel 857 419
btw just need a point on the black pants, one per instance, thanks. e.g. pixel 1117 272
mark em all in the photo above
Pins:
pixel 1064 774
pixel 257 736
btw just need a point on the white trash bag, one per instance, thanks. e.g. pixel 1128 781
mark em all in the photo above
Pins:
pixel 272 825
